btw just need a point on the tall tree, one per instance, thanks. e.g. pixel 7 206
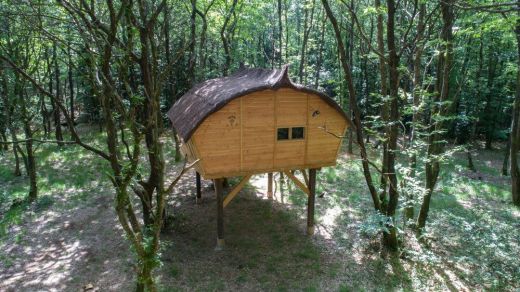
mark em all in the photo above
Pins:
pixel 441 109
pixel 515 129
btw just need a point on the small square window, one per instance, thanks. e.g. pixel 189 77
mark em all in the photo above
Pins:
pixel 297 133
pixel 283 133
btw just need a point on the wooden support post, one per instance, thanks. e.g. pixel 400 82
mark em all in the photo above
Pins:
pixel 225 183
pixel 310 201
pixel 220 214
pixel 198 199
pixel 270 185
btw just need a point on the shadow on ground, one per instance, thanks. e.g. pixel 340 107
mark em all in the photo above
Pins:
pixel 266 246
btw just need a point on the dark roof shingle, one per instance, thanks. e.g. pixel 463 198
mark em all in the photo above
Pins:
pixel 211 95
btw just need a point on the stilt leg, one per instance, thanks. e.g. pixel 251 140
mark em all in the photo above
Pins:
pixel 310 201
pixel 225 183
pixel 198 199
pixel 270 185
pixel 220 214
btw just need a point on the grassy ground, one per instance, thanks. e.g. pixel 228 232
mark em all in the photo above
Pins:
pixel 70 237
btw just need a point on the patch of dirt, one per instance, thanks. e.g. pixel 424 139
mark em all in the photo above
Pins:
pixel 65 250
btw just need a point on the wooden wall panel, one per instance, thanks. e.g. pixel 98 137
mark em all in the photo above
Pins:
pixel 258 130
pixel 322 147
pixel 291 111
pixel 240 138
pixel 218 140
pixel 291 107
pixel 290 154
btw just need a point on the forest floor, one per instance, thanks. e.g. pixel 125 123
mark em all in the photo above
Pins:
pixel 70 237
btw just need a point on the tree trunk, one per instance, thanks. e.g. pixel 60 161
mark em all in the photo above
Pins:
pixel 280 33
pixel 169 88
pixel 392 130
pixel 31 161
pixel 225 38
pixel 353 103
pixel 383 71
pixel 192 55
pixel 320 54
pixel 9 123
pixel 490 110
pixel 71 83
pixel 56 109
pixel 515 129
pixel 307 25
pixel 145 281
pixel 505 162
pixel 435 146
pixel 286 30
pixel 5 147
pixel 417 98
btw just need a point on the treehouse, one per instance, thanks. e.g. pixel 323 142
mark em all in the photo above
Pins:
pixel 258 121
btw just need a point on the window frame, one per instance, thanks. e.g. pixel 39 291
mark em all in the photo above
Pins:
pixel 290 138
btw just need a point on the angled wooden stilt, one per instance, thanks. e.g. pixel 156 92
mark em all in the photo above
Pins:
pixel 236 189
pixel 298 183
pixel 305 177
pixel 310 201
pixel 270 185
pixel 198 199
pixel 220 214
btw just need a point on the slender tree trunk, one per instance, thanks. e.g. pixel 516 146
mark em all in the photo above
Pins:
pixel 392 130
pixel 9 123
pixel 31 161
pixel 435 146
pixel 5 147
pixel 202 43
pixel 170 82
pixel 320 54
pixel 224 36
pixel 505 162
pixel 350 55
pixel 383 71
pixel 490 110
pixel 417 97
pixel 307 25
pixel 191 50
pixel 71 83
pixel 56 109
pixel 286 30
pixel 280 34
pixel 515 129
pixel 473 132
pixel 353 102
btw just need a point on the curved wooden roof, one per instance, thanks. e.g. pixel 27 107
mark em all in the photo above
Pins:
pixel 211 95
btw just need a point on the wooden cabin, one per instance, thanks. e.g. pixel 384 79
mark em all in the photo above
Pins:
pixel 257 121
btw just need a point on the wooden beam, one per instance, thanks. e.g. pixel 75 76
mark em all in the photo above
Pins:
pixel 220 214
pixel 301 185
pixel 237 189
pixel 270 185
pixel 310 201
pixel 199 191
pixel 305 177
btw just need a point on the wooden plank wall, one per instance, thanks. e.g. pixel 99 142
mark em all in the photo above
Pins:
pixel 240 138
pixel 291 111
pixel 217 140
